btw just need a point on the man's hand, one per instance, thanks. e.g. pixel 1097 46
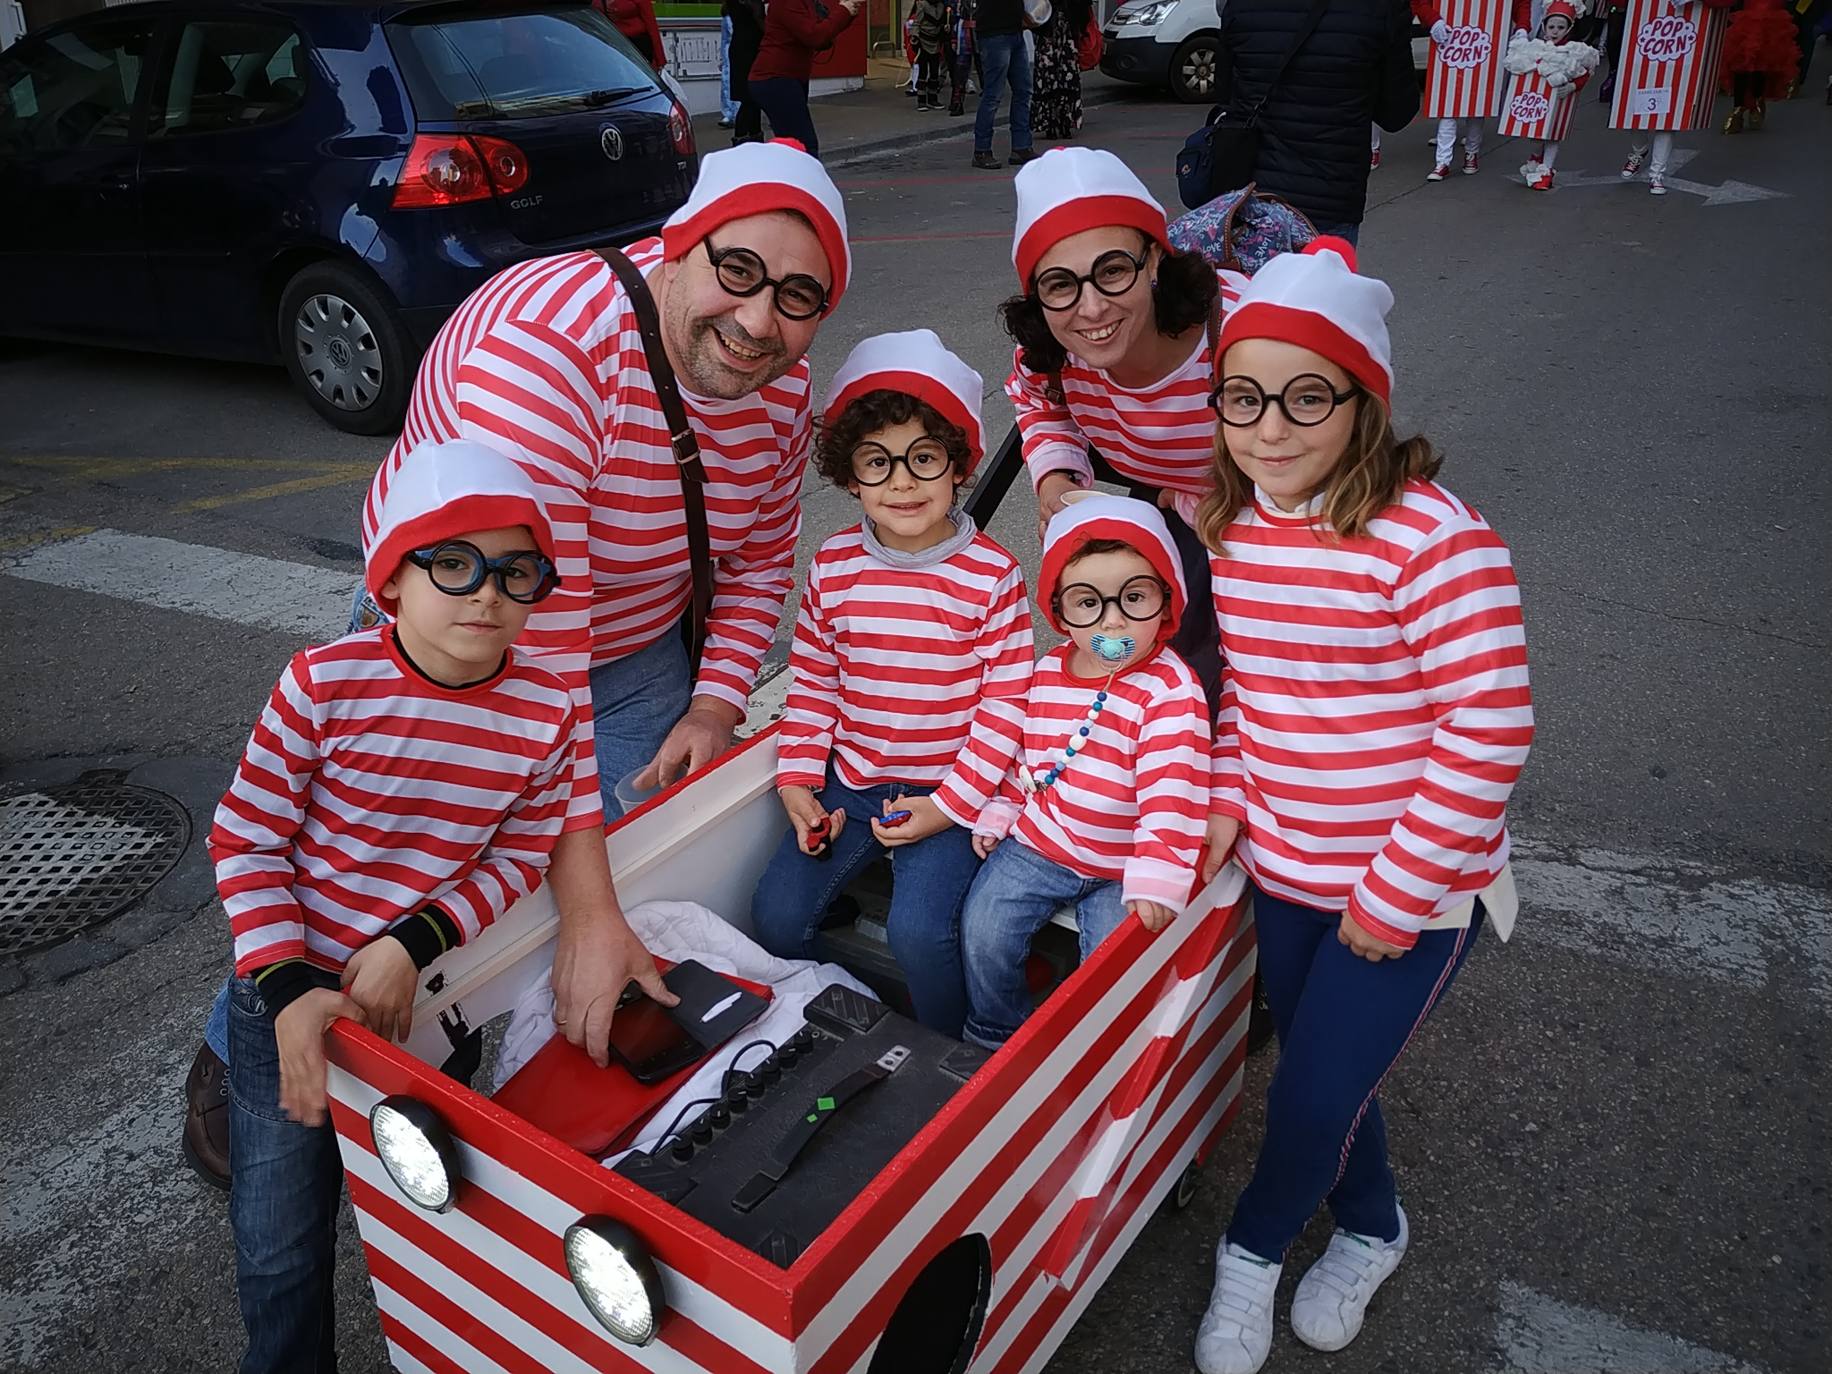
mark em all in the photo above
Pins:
pixel 1223 832
pixel 697 738
pixel 593 962
pixel 299 1032
pixel 805 814
pixel 381 979
pixel 1152 916
pixel 1051 488
pixel 1369 947
pixel 926 819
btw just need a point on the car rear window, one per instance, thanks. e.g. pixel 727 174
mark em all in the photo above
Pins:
pixel 512 61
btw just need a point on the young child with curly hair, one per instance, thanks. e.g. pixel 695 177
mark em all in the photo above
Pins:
pixel 911 661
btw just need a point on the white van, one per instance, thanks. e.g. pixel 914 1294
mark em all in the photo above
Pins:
pixel 1172 43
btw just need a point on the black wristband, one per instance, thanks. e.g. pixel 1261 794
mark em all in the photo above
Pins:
pixel 286 982
pixel 425 935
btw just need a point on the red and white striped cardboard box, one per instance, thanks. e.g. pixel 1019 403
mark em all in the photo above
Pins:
pixel 1048 1163
pixel 1532 107
pixel 1463 76
pixel 1670 59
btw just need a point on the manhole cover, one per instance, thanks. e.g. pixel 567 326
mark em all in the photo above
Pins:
pixel 75 855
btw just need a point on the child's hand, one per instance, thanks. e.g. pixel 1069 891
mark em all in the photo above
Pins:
pixel 1151 915
pixel 1223 832
pixel 926 819
pixel 299 1032
pixel 983 845
pixel 805 815
pixel 381 979
pixel 1369 947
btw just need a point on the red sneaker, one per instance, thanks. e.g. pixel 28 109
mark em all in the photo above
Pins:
pixel 1438 173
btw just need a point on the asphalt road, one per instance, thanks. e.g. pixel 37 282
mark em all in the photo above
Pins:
pixel 1611 1142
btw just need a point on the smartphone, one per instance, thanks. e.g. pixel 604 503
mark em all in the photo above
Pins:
pixel 648 1041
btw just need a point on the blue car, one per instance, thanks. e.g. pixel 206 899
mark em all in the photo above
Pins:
pixel 315 182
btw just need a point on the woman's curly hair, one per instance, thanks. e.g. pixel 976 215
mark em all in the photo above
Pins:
pixel 1183 296
pixel 875 410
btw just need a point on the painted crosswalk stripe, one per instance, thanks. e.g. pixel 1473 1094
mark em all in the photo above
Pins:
pixel 267 593
pixel 1540 1335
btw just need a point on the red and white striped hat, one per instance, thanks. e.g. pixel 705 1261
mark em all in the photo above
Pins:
pixel 1069 190
pixel 1315 299
pixel 916 363
pixel 445 491
pixel 1568 9
pixel 1098 515
pixel 755 179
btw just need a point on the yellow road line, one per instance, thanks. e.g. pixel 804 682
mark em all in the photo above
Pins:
pixel 27 541
pixel 353 472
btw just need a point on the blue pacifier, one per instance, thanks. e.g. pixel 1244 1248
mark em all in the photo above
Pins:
pixel 1113 650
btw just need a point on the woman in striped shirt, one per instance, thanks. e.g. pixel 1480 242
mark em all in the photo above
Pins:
pixel 911 658
pixel 1113 350
pixel 1375 716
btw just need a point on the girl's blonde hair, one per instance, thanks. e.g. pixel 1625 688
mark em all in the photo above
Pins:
pixel 1372 473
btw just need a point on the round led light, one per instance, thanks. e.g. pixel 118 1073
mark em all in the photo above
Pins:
pixel 616 1278
pixel 417 1151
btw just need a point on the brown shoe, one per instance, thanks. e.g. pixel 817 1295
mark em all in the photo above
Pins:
pixel 205 1141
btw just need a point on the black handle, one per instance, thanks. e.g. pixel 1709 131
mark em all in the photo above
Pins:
pixel 793 1141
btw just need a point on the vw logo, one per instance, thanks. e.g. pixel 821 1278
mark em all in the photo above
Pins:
pixel 611 141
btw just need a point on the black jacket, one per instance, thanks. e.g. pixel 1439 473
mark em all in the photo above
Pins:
pixel 1353 71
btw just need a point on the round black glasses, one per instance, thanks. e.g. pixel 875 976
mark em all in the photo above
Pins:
pixel 1112 274
pixel 1307 400
pixel 458 569
pixel 927 460
pixel 742 273
pixel 1079 605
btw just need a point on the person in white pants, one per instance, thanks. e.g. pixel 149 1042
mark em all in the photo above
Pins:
pixel 1662 153
pixel 1447 144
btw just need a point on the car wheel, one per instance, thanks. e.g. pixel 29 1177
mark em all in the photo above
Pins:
pixel 1192 70
pixel 344 350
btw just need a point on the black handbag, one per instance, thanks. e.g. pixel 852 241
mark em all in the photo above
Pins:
pixel 1221 156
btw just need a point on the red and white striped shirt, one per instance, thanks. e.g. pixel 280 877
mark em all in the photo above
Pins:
pixel 908 674
pixel 1161 435
pixel 368 792
pixel 1375 711
pixel 544 363
pixel 1132 804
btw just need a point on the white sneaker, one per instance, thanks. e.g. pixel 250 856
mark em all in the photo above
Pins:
pixel 1657 184
pixel 1332 1297
pixel 1236 1332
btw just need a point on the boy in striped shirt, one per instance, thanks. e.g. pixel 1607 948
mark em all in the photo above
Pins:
pixel 911 658
pixel 1106 803
pixel 402 789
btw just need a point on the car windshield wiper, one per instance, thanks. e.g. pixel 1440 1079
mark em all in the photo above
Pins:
pixel 595 99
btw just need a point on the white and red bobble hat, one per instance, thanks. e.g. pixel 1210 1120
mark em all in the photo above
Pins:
pixel 757 179
pixel 1070 190
pixel 1315 299
pixel 445 491
pixel 1097 515
pixel 1568 9
pixel 916 363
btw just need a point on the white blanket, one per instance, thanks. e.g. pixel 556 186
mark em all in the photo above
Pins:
pixel 678 931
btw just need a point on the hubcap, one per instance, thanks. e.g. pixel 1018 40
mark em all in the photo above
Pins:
pixel 1199 71
pixel 338 352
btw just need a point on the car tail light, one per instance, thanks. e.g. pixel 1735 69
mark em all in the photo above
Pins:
pixel 680 130
pixel 453 169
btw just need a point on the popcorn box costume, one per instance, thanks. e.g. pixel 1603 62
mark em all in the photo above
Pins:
pixel 1463 76
pixel 1670 60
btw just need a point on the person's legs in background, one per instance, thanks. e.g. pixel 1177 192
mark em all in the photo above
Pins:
pixel 785 101
pixel 728 108
pixel 995 59
pixel 1374 149
pixel 1444 150
pixel 1018 72
pixel 1657 162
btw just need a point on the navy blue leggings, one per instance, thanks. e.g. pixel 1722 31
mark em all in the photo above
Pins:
pixel 1342 1022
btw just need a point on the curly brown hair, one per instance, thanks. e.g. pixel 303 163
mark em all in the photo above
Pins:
pixel 875 410
pixel 1184 295
pixel 1375 467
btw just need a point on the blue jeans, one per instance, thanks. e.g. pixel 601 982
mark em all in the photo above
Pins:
pixel 287 1180
pixel 1003 57
pixel 728 108
pixel 931 878
pixel 635 703
pixel 1351 232
pixel 1342 1023
pixel 1013 898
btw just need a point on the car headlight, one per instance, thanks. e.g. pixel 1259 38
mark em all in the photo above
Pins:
pixel 616 1278
pixel 1146 15
pixel 417 1151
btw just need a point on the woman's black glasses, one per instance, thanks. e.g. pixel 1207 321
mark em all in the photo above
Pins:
pixel 926 459
pixel 1113 274
pixel 1079 605
pixel 458 569
pixel 1307 400
pixel 741 273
